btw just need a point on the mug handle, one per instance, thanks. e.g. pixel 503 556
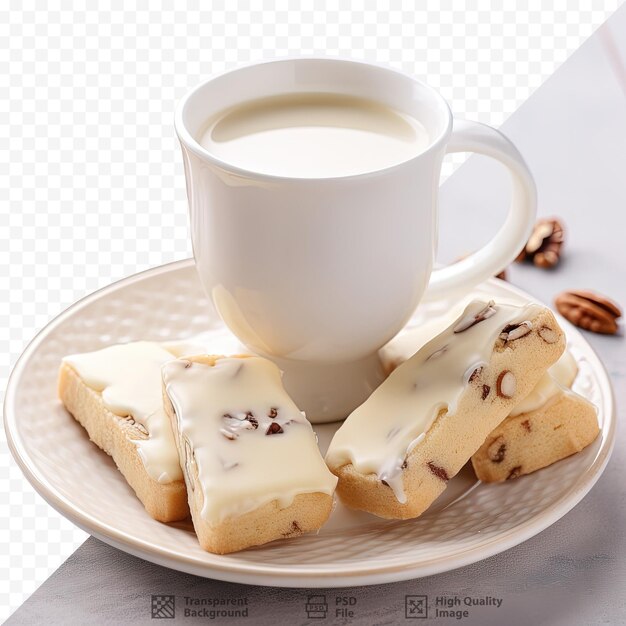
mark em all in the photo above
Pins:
pixel 513 234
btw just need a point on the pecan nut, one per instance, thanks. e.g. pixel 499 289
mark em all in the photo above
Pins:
pixel 544 245
pixel 438 471
pixel 589 310
pixel 470 319
pixel 511 332
pixel 274 429
pixel 506 384
pixel 497 450
pixel 549 335
pixel 516 472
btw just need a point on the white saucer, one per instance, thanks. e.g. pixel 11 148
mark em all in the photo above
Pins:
pixel 470 521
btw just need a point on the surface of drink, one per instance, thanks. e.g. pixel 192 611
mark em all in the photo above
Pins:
pixel 313 136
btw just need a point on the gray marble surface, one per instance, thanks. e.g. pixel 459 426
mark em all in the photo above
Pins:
pixel 573 133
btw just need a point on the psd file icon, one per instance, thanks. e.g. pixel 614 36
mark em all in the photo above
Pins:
pixel 316 607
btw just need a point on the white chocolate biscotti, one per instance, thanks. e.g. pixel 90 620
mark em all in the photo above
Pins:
pixel 536 433
pixel 116 395
pixel 396 452
pixel 250 459
pixel 526 442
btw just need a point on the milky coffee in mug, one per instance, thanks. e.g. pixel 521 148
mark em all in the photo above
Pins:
pixel 313 135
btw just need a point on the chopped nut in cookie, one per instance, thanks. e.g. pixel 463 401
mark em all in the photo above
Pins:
pixel 497 450
pixel 511 332
pixel 515 472
pixel 475 374
pixel 548 334
pixel 506 384
pixel 274 429
pixel 439 472
pixel 474 318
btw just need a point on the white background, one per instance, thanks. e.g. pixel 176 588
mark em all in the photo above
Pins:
pixel 92 180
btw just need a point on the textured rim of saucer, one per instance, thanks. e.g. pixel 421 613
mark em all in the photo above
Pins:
pixel 227 567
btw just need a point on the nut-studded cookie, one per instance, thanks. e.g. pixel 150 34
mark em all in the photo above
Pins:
pixel 527 442
pixel 548 425
pixel 396 452
pixel 250 458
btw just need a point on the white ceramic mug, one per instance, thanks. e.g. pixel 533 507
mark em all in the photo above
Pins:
pixel 319 273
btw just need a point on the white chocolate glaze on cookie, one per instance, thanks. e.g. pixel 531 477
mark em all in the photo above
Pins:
pixel 250 443
pixel 404 345
pixel 377 436
pixel 563 372
pixel 129 378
